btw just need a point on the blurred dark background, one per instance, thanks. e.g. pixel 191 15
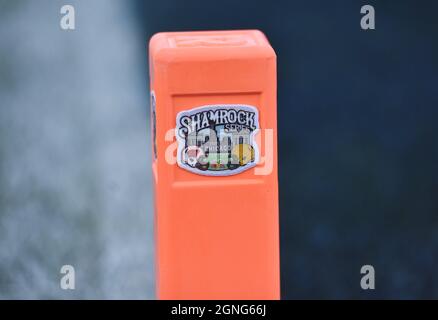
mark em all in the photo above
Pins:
pixel 358 137
pixel 358 143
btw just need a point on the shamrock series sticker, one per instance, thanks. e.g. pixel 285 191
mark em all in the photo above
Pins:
pixel 217 140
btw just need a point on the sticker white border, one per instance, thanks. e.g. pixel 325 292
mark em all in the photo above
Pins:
pixel 224 173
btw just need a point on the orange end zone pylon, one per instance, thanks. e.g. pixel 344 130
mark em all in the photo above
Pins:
pixel 214 128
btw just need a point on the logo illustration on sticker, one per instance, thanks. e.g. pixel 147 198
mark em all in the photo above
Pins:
pixel 217 140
